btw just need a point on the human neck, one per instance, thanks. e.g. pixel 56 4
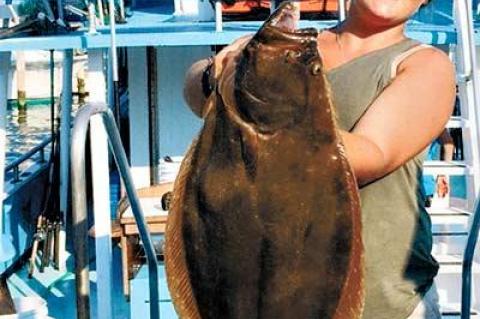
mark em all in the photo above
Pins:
pixel 357 36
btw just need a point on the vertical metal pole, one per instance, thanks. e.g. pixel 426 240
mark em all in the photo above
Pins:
pixel 102 216
pixel 218 16
pixel 342 10
pixel 469 92
pixel 153 115
pixel 110 82
pixel 101 17
pixel 101 188
pixel 60 9
pixel 79 217
pixel 114 62
pixel 66 110
pixel 138 79
pixel 92 19
pixel 52 99
pixel 21 86
pixel 65 121
pixel 5 58
pixel 469 55
pixel 273 5
pixel 6 22
pixel 113 40
pixel 121 6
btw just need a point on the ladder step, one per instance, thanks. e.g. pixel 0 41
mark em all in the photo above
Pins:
pixel 449 282
pixel 447 168
pixel 452 310
pixel 449 260
pixel 456 314
pixel 463 78
pixel 450 224
pixel 451 264
pixel 448 211
pixel 457 122
pixel 450 234
pixel 450 231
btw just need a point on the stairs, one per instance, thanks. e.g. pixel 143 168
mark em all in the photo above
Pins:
pixel 451 222
pixel 450 227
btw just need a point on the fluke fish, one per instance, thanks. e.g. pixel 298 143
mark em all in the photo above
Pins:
pixel 265 217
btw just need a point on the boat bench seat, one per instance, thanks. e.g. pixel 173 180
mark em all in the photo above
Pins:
pixel 156 218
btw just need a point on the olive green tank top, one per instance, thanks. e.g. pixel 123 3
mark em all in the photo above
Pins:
pixel 396 227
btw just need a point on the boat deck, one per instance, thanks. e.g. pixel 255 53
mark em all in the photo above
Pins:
pixel 58 290
pixel 158 26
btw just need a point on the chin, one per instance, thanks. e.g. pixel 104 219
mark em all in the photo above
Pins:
pixel 386 12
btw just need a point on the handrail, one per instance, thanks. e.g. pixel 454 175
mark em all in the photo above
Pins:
pixel 40 148
pixel 468 261
pixel 79 204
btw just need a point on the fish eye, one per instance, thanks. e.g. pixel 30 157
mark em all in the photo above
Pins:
pixel 316 68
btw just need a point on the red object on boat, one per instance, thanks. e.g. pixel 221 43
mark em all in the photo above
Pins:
pixel 306 6
pixel 245 6
pixel 319 6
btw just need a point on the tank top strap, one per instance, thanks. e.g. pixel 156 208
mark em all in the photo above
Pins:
pixel 404 55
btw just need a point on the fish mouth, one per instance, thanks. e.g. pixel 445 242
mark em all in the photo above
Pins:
pixel 285 17
pixel 282 25
pixel 271 86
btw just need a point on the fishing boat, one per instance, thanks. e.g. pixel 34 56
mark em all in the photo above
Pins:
pixel 97 256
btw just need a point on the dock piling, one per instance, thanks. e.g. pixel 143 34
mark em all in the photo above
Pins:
pixel 21 87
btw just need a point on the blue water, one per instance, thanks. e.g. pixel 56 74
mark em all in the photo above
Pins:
pixel 24 133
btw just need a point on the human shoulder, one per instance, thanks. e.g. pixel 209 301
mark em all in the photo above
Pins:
pixel 429 61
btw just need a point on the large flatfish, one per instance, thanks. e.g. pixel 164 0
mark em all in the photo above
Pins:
pixel 265 219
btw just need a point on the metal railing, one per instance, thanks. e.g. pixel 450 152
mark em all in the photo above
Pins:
pixel 79 204
pixel 468 261
pixel 15 165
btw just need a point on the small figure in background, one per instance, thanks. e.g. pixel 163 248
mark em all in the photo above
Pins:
pixel 441 149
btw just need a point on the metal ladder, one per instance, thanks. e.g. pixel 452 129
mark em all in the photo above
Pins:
pixel 468 82
pixel 469 93
pixel 79 203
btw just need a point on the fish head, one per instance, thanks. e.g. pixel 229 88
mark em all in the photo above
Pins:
pixel 275 71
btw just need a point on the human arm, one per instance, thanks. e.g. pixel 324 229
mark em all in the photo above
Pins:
pixel 193 87
pixel 404 118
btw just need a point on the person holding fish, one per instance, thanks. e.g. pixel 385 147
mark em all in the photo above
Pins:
pixel 392 96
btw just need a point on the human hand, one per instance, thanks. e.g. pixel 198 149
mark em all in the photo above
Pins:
pixel 443 187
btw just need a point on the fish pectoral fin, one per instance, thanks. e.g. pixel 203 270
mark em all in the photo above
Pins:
pixel 209 105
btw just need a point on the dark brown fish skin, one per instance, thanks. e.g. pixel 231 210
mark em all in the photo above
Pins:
pixel 265 219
